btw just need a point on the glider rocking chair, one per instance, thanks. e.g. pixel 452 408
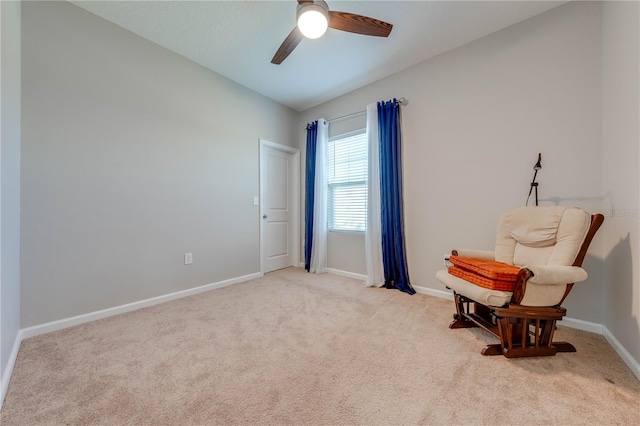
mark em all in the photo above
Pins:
pixel 516 291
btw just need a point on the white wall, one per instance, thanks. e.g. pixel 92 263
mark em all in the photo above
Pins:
pixel 477 118
pixel 131 157
pixel 10 185
pixel 621 139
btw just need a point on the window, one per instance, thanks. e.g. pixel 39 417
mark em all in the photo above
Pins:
pixel 347 178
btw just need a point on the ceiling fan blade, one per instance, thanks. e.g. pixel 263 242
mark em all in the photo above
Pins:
pixel 358 24
pixel 287 46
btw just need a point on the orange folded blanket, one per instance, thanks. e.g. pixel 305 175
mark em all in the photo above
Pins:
pixel 485 273
pixel 487 268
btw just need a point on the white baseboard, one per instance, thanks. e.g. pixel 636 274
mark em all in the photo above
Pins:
pixel 6 376
pixel 578 324
pixel 423 290
pixel 622 352
pixel 346 274
pixel 443 294
pixel 92 316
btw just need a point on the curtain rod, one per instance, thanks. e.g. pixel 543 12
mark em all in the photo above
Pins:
pixel 401 101
pixel 348 116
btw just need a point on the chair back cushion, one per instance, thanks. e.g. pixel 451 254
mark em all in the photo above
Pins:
pixel 549 235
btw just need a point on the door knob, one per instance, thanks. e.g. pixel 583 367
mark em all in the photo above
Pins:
pixel 264 216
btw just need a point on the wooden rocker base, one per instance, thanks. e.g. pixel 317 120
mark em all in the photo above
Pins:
pixel 523 331
pixel 496 349
pixel 461 322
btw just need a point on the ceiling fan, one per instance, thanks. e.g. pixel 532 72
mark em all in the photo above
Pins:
pixel 314 16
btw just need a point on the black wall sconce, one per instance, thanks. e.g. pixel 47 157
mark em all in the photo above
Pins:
pixel 534 184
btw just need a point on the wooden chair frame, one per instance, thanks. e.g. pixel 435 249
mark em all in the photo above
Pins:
pixel 523 330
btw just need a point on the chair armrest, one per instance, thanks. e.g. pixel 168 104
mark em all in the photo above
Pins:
pixel 546 274
pixel 478 254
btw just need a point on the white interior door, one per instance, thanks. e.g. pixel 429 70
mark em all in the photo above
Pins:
pixel 279 177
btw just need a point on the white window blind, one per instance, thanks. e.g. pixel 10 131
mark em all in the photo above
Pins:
pixel 347 179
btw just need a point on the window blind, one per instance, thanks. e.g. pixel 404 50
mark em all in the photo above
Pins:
pixel 347 181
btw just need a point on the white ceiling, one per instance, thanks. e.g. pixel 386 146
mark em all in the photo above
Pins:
pixel 238 39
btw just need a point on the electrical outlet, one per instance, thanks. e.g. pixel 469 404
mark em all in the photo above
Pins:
pixel 188 258
pixel 447 262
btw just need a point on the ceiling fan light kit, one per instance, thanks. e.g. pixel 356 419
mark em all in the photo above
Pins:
pixel 313 19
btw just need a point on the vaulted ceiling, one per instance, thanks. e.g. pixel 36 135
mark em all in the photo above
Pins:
pixel 238 39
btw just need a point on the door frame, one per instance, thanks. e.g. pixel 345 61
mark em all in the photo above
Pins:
pixel 294 237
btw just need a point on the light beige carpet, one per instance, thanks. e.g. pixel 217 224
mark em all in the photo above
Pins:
pixel 296 348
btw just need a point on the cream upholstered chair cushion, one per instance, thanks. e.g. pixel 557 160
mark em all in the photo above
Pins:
pixel 541 235
pixel 545 240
